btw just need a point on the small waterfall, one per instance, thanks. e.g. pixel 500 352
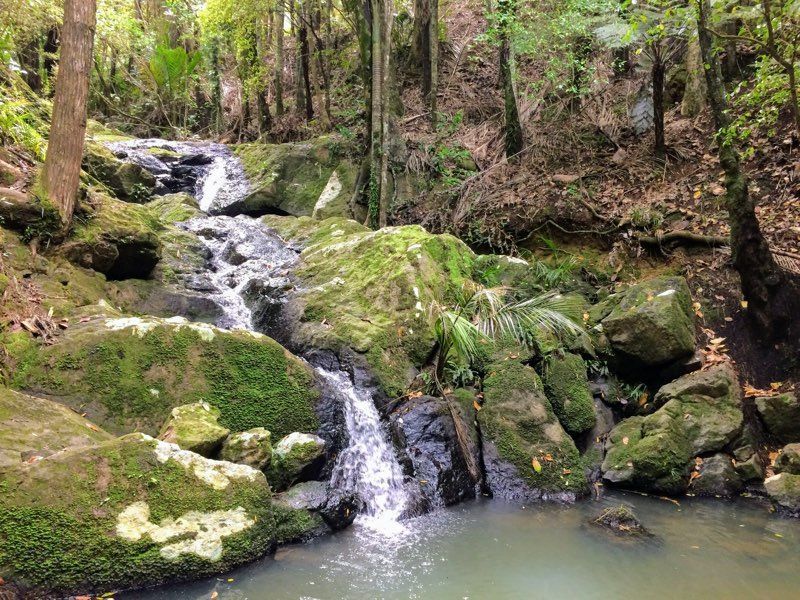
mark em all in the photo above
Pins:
pixel 251 265
pixel 368 466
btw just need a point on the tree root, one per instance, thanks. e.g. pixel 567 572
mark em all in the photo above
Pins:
pixel 685 238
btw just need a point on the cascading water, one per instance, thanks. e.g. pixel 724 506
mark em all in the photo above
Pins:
pixel 249 260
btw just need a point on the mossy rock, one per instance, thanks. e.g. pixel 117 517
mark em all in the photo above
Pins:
pixel 494 270
pixel 130 512
pixel 298 178
pixel 128 373
pixel 174 208
pixel 788 460
pixel 717 476
pixel 252 447
pixel 116 238
pixel 195 427
pixel 126 180
pixel 567 388
pixel 784 491
pixel 518 420
pixel 370 291
pixel 700 413
pixel 652 324
pixel 36 427
pixel 295 458
pixel 781 416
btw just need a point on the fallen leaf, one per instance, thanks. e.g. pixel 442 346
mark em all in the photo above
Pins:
pixel 536 465
pixel 548 457
pixel 566 472
pixel 214 595
pixel 743 303
pixel 475 405
pixel 625 440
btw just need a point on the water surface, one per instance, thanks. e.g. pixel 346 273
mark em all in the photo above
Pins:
pixel 491 549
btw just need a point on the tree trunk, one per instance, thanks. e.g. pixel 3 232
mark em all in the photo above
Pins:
pixel 658 71
pixel 694 94
pixel 279 22
pixel 761 278
pixel 315 66
pixel 62 167
pixel 304 68
pixel 426 48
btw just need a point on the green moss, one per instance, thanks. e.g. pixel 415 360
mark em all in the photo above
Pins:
pixel 59 515
pixel 517 417
pixel 131 382
pixel 567 388
pixel 174 208
pixel 295 525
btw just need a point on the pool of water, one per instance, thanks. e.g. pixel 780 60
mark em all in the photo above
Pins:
pixel 490 549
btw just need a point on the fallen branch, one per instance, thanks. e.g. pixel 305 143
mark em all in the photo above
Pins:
pixel 687 238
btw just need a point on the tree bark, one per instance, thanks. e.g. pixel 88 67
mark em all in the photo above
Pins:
pixel 279 22
pixel 512 127
pixel 694 94
pixel 761 278
pixel 426 49
pixel 658 72
pixel 62 167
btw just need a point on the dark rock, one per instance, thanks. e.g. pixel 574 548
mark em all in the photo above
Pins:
pixel 749 464
pixel 195 160
pixel 165 302
pixel 781 416
pixel 717 477
pixel 621 521
pixel 437 442
pixel 313 508
pixel 789 460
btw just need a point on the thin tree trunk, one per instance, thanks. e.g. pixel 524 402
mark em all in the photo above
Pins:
pixel 694 94
pixel 62 167
pixel 315 67
pixel 426 48
pixel 304 68
pixel 279 22
pixel 761 278
pixel 658 71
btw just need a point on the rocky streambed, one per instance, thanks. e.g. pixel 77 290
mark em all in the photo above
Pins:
pixel 265 381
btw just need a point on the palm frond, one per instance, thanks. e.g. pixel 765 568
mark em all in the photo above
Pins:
pixel 458 334
pixel 549 313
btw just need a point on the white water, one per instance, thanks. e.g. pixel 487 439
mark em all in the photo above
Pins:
pixel 248 258
pixel 368 466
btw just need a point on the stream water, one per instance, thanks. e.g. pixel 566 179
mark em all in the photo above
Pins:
pixel 481 549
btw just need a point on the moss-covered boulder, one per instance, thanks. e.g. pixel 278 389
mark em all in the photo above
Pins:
pixel 370 291
pixel 700 413
pixel 493 270
pixel 652 323
pixel 309 178
pixel 295 458
pixel 130 512
pixel 567 388
pixel 126 180
pixel 784 491
pixel 32 427
pixel 527 453
pixel 781 416
pixel 788 460
pixel 118 239
pixel 128 373
pixel 312 508
pixel 252 447
pixel 195 427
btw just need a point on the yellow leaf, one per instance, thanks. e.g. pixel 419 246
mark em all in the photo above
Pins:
pixel 643 398
pixel 775 384
pixel 625 440
pixel 214 595
pixel 536 465
pixel 586 316
pixel 566 472
pixel 475 405
pixel 717 341
pixel 548 457
pixel 744 303
pixel 698 194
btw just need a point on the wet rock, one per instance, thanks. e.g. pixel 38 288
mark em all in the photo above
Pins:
pixel 166 302
pixel 620 520
pixel 437 442
pixel 652 324
pixel 700 413
pixel 781 416
pixel 335 508
pixel 788 460
pixel 126 180
pixel 296 458
pixel 252 448
pixel 749 464
pixel 784 491
pixel 130 512
pixel 195 427
pixel 717 477
pixel 195 160
pixel 527 454
pixel 567 388
pixel 32 428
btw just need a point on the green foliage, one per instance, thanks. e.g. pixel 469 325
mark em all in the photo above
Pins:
pixel 19 126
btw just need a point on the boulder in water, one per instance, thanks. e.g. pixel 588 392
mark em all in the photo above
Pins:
pixel 788 460
pixel 717 476
pixel 749 464
pixel 251 447
pixel 781 416
pixel 620 520
pixel 130 512
pixel 194 427
pixel 296 458
pixel 312 508
pixel 784 491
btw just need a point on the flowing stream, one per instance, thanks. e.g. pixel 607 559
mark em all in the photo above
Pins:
pixel 250 265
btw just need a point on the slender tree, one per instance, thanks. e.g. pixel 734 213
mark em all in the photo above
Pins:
pixel 62 167
pixel 512 128
pixel 426 49
pixel 280 12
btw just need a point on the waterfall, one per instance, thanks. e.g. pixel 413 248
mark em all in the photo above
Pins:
pixel 251 265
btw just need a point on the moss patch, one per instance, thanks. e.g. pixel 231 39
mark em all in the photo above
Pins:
pixel 567 388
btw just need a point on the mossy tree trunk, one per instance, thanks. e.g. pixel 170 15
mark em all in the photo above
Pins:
pixel 761 278
pixel 694 94
pixel 426 49
pixel 512 128
pixel 62 167
pixel 280 17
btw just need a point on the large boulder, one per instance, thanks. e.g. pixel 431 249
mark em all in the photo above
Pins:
pixel 115 238
pixel 435 434
pixel 370 291
pixel 651 323
pixel 567 388
pixel 784 491
pixel 195 427
pixel 309 509
pixel 781 416
pixel 527 454
pixel 129 373
pixel 788 460
pixel 700 413
pixel 32 428
pixel 295 458
pixel 716 476
pixel 130 512
pixel 309 178
pixel 251 447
